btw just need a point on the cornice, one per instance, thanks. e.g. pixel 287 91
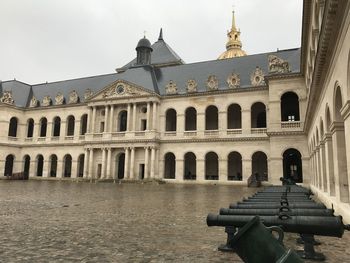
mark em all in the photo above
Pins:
pixel 286 133
pixel 291 75
pixel 265 138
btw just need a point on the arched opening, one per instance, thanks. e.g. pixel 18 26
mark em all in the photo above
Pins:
pixel 290 107
pixel 83 124
pixel 123 119
pixel 43 127
pixel 9 165
pixel 170 122
pixel 81 160
pixel 234 166
pixel 211 166
pixel 53 165
pixel 259 166
pixel 340 164
pixel 67 161
pixel 56 126
pixel 70 125
pixel 258 115
pixel 39 165
pixel 190 119
pixel 234 119
pixel 190 171
pixel 13 127
pixel 30 128
pixel 169 166
pixel 121 166
pixel 211 118
pixel 329 153
pixel 26 166
pixel 292 165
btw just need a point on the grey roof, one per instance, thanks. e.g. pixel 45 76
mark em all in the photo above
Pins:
pixel 155 79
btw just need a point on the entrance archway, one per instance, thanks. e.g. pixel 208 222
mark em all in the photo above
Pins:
pixel 26 167
pixel 211 166
pixel 39 165
pixel 259 165
pixel 67 165
pixel 53 165
pixel 169 166
pixel 9 165
pixel 121 166
pixel 234 166
pixel 190 166
pixel 292 165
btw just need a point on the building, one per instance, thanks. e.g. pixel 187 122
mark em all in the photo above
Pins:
pixel 278 114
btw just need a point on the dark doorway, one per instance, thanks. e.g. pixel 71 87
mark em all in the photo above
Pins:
pixel 169 166
pixel 292 165
pixel 39 165
pixel 53 165
pixel 9 165
pixel 142 171
pixel 121 166
pixel 26 166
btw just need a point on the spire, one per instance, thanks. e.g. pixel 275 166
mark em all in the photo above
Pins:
pixel 160 34
pixel 234 44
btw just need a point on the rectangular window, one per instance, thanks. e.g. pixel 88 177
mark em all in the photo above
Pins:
pixel 143 125
pixel 102 127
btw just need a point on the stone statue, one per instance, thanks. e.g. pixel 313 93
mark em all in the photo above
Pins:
pixel 73 97
pixel 59 99
pixel 257 77
pixel 233 81
pixel 278 65
pixel 171 88
pixel 212 83
pixel 7 97
pixel 46 101
pixel 33 102
pixel 191 86
pixel 88 93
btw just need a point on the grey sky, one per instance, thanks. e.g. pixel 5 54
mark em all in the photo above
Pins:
pixel 50 40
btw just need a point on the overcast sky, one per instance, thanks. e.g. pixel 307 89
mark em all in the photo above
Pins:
pixel 51 40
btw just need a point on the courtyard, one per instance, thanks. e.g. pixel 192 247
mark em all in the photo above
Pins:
pixel 52 221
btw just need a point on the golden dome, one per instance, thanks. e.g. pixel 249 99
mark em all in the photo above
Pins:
pixel 234 44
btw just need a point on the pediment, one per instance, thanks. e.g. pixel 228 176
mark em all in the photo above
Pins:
pixel 121 89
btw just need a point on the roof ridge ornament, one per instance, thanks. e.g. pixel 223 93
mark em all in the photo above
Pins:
pixel 7 97
pixel 160 34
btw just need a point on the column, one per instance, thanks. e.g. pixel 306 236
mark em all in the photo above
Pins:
pixel 152 161
pixel 222 169
pixel 200 168
pixel 200 123
pixel 103 168
pixel 180 123
pixel 132 162
pixel 93 120
pixel 134 117
pixel 154 116
pixel 126 166
pixel 109 157
pixel 323 166
pixel 60 168
pixel 106 121
pixel 318 177
pixel 179 169
pixel 329 164
pixel 49 130
pixel 76 128
pixel 91 161
pixel 246 122
pixel 128 123
pixel 86 161
pixel 63 130
pixel 148 116
pixel 146 162
pixel 111 124
pixel 32 169
pixel 246 169
pixel 46 167
pixel 222 127
pixel 74 168
pixel 88 123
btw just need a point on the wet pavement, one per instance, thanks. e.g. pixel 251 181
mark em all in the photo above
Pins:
pixel 43 221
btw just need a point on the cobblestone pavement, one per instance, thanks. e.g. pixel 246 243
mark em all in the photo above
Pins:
pixel 86 222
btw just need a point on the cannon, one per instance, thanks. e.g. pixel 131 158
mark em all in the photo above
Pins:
pixel 280 197
pixel 277 211
pixel 312 225
pixel 277 200
pixel 277 205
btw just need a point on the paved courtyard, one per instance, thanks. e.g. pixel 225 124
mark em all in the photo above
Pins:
pixel 44 221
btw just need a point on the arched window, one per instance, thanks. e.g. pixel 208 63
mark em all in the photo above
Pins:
pixel 259 166
pixel 13 127
pixel 43 127
pixel 292 165
pixel 30 128
pixel 170 121
pixel 211 118
pixel 70 125
pixel 39 165
pixel 258 115
pixel 190 171
pixel 211 166
pixel 234 120
pixel 290 107
pixel 169 166
pixel 81 160
pixel 53 165
pixel 83 124
pixel 67 161
pixel 9 165
pixel 234 165
pixel 190 119
pixel 122 120
pixel 121 165
pixel 26 166
pixel 56 126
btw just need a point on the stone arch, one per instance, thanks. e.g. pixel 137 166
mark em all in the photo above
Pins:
pixel 328 119
pixel 81 160
pixel 169 165
pixel 170 120
pixel 190 119
pixel 122 120
pixel 13 125
pixel 258 115
pixel 211 118
pixel 292 165
pixel 83 124
pixel 26 166
pixel 56 126
pixel 120 166
pixel 259 165
pixel 234 166
pixel 30 128
pixel 43 127
pixel 290 107
pixel 9 164
pixel 234 116
pixel 211 166
pixel 53 165
pixel 39 165
pixel 67 165
pixel 70 125
pixel 190 166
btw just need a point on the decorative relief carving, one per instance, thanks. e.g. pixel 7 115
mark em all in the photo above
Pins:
pixel 46 101
pixel 191 86
pixel 33 102
pixel 278 65
pixel 7 97
pixel 257 77
pixel 171 88
pixel 73 97
pixel 87 94
pixel 212 83
pixel 59 99
pixel 233 81
pixel 120 89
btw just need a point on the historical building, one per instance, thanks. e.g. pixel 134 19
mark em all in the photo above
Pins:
pixel 278 114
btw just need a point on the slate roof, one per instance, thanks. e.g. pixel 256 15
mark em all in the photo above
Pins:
pixel 155 78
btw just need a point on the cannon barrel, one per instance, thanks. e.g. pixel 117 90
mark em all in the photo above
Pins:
pixel 313 225
pixel 278 196
pixel 278 200
pixel 281 194
pixel 276 211
pixel 277 205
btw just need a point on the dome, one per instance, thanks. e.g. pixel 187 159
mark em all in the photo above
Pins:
pixel 144 42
